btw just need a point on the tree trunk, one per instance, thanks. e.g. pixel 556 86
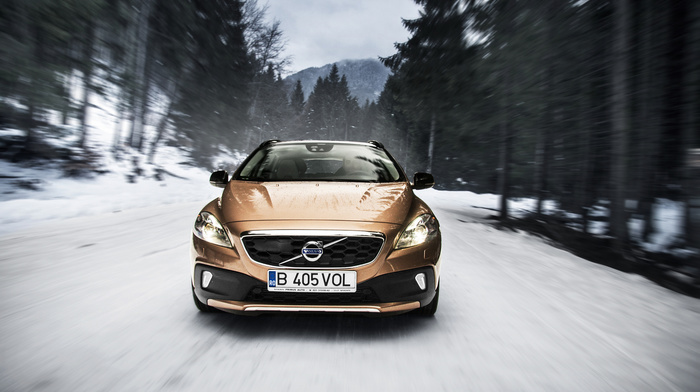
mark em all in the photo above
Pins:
pixel 160 130
pixel 620 123
pixel 504 148
pixel 142 112
pixel 29 138
pixel 28 36
pixel 539 169
pixel 87 75
pixel 116 141
pixel 691 103
pixel 431 143
pixel 139 70
pixel 584 186
pixel 651 79
pixel 407 147
pixel 543 149
pixel 65 108
pixel 551 11
pixel 173 89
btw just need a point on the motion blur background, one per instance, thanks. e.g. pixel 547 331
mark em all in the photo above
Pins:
pixel 571 101
pixel 578 120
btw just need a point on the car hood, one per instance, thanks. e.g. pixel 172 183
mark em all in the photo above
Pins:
pixel 368 202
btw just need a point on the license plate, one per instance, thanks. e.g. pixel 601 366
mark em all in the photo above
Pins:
pixel 312 281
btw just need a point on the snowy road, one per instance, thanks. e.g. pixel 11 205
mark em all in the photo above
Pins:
pixel 103 303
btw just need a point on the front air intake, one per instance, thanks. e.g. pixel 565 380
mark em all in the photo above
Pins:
pixel 312 249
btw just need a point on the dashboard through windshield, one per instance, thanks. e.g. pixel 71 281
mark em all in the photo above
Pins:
pixel 320 162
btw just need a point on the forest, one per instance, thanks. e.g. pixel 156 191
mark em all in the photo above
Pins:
pixel 586 103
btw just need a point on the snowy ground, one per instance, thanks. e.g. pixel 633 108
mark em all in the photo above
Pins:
pixel 60 198
pixel 101 301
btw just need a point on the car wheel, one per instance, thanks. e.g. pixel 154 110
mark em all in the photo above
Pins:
pixel 430 309
pixel 200 305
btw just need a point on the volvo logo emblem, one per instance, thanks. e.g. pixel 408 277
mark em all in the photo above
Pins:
pixel 312 250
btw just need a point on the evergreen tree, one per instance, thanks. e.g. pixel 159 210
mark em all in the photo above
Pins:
pixel 296 101
pixel 272 114
pixel 429 63
pixel 172 49
pixel 332 111
pixel 213 106
pixel 37 41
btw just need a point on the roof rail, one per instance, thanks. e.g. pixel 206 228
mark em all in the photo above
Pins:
pixel 268 142
pixel 376 143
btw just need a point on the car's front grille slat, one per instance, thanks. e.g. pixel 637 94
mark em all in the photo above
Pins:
pixel 339 251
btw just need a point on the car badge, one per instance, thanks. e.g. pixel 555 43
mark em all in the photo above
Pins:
pixel 312 250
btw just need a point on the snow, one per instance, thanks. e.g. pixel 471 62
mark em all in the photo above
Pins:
pixel 59 197
pixel 668 218
pixel 101 302
pixel 62 198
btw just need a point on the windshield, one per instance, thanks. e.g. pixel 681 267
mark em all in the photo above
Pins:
pixel 320 162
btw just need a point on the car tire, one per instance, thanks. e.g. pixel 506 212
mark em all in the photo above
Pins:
pixel 200 305
pixel 430 309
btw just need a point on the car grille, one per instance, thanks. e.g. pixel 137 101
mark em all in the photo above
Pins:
pixel 259 294
pixel 339 251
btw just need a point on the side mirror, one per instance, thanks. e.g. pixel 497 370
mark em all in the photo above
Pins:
pixel 423 181
pixel 219 179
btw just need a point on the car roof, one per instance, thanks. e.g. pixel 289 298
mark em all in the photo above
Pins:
pixel 277 143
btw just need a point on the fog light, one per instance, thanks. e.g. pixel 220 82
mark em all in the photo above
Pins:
pixel 206 278
pixel 420 279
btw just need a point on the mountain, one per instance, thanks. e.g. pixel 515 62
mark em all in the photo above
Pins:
pixel 366 78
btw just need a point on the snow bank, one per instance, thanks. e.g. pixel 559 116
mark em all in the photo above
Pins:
pixel 518 207
pixel 57 197
pixel 667 214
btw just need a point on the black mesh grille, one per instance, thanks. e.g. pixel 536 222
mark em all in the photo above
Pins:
pixel 259 294
pixel 347 252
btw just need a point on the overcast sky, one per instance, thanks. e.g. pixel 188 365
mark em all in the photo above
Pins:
pixel 320 32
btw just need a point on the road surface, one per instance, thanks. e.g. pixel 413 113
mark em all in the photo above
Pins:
pixel 103 303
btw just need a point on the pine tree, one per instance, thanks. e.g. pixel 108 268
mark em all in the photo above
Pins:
pixel 36 43
pixel 213 105
pixel 296 100
pixel 172 49
pixel 332 111
pixel 428 62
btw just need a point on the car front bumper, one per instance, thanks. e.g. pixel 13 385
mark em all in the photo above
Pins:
pixel 235 292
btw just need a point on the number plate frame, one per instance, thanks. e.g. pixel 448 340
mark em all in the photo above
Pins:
pixel 312 281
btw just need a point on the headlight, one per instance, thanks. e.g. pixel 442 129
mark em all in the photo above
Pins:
pixel 418 231
pixel 208 228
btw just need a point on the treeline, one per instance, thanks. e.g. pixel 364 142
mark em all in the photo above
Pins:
pixel 199 68
pixel 204 74
pixel 566 100
pixel 572 101
pixel 329 113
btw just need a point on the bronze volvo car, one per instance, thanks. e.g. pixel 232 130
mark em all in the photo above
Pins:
pixel 320 226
